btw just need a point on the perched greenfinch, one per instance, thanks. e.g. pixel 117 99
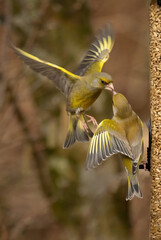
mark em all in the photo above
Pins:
pixel 82 88
pixel 121 134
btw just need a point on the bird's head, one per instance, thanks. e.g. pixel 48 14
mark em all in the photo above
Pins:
pixel 102 81
pixel 121 107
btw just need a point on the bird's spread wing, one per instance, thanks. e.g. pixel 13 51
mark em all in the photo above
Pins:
pixel 108 139
pixel 98 52
pixel 62 78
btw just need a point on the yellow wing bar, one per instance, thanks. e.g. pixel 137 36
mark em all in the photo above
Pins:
pixel 28 55
pixel 98 52
pixel 108 139
pixel 62 78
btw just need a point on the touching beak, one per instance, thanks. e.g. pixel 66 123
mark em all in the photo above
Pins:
pixel 110 87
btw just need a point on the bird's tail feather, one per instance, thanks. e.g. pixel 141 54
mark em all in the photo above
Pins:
pixel 133 187
pixel 76 131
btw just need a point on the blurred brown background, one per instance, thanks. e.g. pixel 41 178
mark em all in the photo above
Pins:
pixel 45 191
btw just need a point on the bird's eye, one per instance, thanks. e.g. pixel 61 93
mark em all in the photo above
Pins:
pixel 103 82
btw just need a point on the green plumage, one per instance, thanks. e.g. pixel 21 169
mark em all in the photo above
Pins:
pixel 76 131
pixel 83 88
pixel 123 134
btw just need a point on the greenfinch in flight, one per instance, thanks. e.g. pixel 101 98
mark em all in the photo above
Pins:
pixel 121 134
pixel 82 88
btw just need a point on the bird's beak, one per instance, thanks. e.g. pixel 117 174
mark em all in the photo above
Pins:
pixel 110 87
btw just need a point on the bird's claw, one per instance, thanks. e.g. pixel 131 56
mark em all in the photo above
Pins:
pixel 92 119
pixel 84 125
pixel 144 164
